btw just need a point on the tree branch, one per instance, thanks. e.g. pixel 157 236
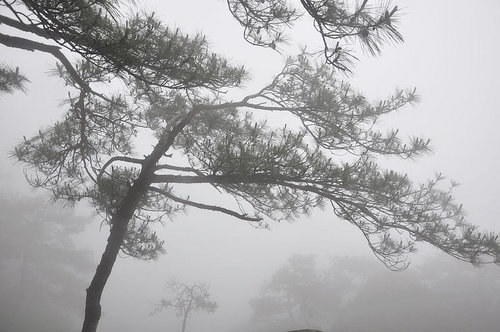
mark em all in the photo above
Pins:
pixel 222 179
pixel 29 45
pixel 24 27
pixel 118 158
pixel 205 206
pixel 180 169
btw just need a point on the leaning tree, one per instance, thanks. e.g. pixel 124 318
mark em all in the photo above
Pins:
pixel 130 73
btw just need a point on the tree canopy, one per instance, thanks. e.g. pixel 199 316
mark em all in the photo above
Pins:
pixel 133 74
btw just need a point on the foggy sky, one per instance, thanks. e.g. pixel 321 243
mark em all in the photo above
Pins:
pixel 450 55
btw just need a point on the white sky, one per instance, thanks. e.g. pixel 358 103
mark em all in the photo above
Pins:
pixel 451 54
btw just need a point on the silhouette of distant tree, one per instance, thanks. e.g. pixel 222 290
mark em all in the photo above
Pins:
pixel 186 300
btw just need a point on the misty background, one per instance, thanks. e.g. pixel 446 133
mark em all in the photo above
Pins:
pixel 450 54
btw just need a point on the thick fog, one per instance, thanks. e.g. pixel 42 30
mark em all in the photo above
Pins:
pixel 317 272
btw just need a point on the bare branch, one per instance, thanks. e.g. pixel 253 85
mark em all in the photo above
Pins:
pixel 205 206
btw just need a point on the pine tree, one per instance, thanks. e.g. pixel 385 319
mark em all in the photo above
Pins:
pixel 169 84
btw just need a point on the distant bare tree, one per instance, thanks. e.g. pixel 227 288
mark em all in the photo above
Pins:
pixel 188 298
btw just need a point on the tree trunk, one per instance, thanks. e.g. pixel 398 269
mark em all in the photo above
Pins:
pixel 119 224
pixel 184 321
pixel 94 292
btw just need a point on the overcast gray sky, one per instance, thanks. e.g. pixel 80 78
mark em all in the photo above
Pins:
pixel 450 54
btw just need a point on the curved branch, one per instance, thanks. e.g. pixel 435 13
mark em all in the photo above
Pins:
pixel 205 206
pixel 118 158
pixel 29 45
pixel 24 27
